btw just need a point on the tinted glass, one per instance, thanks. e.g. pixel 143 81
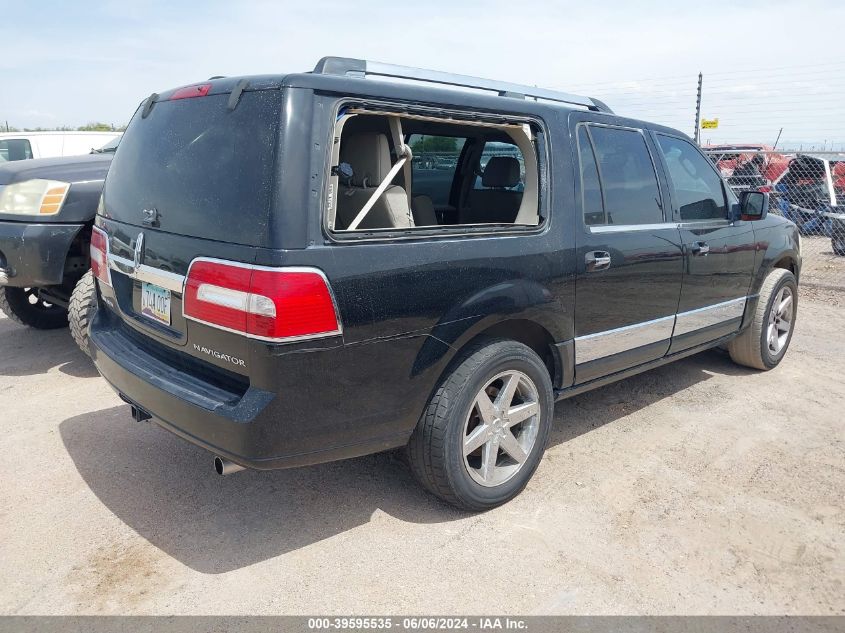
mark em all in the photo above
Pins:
pixel 434 164
pixel 697 187
pixel 208 170
pixel 109 147
pixel 14 149
pixel 590 189
pixel 631 195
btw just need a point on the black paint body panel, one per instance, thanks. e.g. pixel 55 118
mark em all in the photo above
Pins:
pixel 34 254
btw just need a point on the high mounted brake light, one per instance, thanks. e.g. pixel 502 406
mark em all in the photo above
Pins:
pixel 99 250
pixel 270 304
pixel 188 92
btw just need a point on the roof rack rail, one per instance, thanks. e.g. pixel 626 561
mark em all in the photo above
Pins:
pixel 361 68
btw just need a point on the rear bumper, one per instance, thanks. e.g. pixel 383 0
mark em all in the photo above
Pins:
pixel 34 255
pixel 295 422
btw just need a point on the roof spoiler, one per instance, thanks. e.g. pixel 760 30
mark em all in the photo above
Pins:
pixel 362 68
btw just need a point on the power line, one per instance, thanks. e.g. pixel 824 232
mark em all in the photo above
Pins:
pixel 691 76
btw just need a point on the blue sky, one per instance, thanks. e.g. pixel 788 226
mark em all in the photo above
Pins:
pixel 767 64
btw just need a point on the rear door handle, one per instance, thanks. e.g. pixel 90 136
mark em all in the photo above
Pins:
pixel 699 248
pixel 597 260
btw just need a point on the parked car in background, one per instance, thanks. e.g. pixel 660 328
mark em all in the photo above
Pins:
pixel 747 166
pixel 811 193
pixel 47 209
pixel 16 146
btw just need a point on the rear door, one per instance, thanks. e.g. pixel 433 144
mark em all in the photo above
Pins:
pixel 193 178
pixel 629 253
pixel 718 253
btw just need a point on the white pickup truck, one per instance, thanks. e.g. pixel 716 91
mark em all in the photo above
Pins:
pixel 23 145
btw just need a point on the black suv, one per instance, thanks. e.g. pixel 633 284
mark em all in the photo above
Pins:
pixel 281 283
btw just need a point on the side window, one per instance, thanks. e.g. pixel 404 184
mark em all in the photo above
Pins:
pixel 697 187
pixel 590 187
pixel 370 189
pixel 434 165
pixel 493 149
pixel 628 179
pixel 14 149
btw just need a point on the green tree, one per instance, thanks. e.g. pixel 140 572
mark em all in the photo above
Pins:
pixel 435 144
pixel 96 127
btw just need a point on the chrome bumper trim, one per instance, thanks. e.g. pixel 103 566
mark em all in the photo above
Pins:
pixel 162 278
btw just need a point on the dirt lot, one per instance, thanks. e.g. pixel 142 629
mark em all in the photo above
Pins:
pixel 699 487
pixel 821 266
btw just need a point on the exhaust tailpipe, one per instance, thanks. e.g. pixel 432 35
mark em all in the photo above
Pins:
pixel 225 467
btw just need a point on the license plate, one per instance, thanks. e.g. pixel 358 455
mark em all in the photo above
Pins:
pixel 155 303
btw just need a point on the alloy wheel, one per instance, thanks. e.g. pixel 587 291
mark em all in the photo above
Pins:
pixel 780 321
pixel 501 428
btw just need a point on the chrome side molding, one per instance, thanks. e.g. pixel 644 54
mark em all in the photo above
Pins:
pixel 601 344
pixel 701 318
pixel 595 346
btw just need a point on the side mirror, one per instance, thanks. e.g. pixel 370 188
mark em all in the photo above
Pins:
pixel 753 205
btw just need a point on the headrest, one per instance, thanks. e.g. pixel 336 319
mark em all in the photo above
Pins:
pixel 501 171
pixel 369 156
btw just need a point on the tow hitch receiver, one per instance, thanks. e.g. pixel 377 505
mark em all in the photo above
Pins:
pixel 138 414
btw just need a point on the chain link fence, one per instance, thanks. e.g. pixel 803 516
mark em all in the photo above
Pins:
pixel 807 188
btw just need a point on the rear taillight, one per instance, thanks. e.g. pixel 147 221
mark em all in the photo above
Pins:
pixel 273 304
pixel 100 255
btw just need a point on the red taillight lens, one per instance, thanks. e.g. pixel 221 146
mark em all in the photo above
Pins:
pixel 198 90
pixel 99 255
pixel 273 304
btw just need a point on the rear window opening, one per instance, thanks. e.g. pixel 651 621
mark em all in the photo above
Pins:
pixel 456 174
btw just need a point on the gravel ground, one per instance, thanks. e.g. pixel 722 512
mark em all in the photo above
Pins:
pixel 820 266
pixel 696 488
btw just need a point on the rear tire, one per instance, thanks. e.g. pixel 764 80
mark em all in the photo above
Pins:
pixel 485 429
pixel 81 309
pixel 24 306
pixel 764 343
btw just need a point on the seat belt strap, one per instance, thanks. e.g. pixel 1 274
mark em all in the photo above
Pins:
pixel 377 194
pixel 404 151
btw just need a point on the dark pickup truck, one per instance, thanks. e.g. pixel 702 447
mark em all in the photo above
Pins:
pixel 47 209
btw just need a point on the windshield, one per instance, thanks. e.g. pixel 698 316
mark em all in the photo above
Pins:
pixel 207 169
pixel 108 148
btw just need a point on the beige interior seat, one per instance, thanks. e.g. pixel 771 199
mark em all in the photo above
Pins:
pixel 423 209
pixel 369 157
pixel 495 203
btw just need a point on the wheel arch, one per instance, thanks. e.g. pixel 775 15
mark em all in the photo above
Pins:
pixel 530 333
pixel 787 262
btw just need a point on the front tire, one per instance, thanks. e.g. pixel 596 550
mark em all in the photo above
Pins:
pixel 764 343
pixel 24 306
pixel 485 429
pixel 81 309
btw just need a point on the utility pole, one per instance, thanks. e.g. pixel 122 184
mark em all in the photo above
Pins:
pixel 777 139
pixel 698 112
